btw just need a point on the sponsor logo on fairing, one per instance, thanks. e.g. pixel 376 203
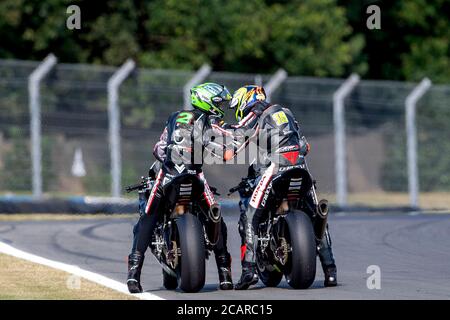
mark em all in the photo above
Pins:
pixel 258 188
pixel 300 166
pixel 266 194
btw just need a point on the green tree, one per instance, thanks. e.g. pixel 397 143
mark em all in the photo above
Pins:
pixel 310 37
pixel 304 37
pixel 414 40
pixel 313 38
pixel 30 29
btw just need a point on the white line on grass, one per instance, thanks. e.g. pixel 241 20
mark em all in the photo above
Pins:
pixel 75 270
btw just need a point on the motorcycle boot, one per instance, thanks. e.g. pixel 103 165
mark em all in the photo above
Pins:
pixel 330 275
pixel 224 269
pixel 327 260
pixel 135 262
pixel 248 277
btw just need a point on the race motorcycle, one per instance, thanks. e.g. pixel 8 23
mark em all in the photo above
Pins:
pixel 186 230
pixel 286 236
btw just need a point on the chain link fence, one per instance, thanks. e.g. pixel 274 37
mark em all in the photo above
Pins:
pixel 75 142
pixel 74 117
pixel 433 125
pixel 375 122
pixel 15 159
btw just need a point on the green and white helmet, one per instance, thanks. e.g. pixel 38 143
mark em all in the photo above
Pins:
pixel 210 98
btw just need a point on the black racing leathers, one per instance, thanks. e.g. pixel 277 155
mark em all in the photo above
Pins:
pixel 280 143
pixel 185 139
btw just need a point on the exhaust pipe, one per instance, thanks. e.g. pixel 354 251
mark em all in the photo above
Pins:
pixel 320 222
pixel 214 224
pixel 214 213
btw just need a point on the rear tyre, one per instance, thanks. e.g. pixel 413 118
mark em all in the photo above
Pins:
pixel 301 266
pixel 192 245
pixel 169 282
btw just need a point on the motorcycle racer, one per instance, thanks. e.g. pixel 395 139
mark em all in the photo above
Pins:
pixel 256 115
pixel 181 145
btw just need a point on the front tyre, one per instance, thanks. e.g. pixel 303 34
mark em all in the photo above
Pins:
pixel 192 245
pixel 301 266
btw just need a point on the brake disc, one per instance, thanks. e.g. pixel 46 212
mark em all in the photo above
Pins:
pixel 172 256
pixel 282 252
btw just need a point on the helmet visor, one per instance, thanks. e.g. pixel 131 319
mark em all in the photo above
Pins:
pixel 222 100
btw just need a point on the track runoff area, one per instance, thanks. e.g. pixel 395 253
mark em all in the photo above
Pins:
pixel 396 256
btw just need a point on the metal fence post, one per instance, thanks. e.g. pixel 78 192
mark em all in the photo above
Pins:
pixel 34 81
pixel 198 77
pixel 339 137
pixel 411 136
pixel 274 82
pixel 258 80
pixel 114 124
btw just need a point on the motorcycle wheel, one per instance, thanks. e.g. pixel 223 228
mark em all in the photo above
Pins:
pixel 300 270
pixel 192 245
pixel 169 282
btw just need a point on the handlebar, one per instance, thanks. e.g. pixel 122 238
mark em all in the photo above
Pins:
pixel 245 186
pixel 233 190
pixel 214 190
pixel 144 184
pixel 133 187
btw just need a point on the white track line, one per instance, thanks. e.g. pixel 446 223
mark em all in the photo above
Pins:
pixel 75 270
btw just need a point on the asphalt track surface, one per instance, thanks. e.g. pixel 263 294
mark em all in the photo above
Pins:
pixel 412 251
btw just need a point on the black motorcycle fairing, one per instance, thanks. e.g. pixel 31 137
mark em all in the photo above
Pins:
pixel 184 188
pixel 187 188
pixel 290 184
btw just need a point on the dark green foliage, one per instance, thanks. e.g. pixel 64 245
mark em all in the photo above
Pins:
pixel 414 40
pixel 309 37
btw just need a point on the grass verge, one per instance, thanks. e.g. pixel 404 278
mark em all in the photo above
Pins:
pixel 24 280
pixel 61 217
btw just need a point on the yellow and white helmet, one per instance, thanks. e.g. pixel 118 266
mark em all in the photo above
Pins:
pixel 244 98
